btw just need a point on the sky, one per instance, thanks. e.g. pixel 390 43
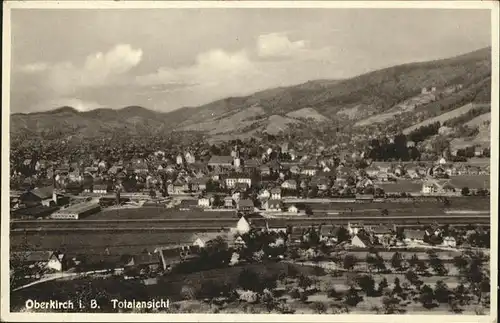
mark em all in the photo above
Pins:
pixel 164 59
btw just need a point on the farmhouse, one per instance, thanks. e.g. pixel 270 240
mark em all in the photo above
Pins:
pixel 414 236
pixel 431 187
pixel 228 202
pixel 273 205
pixel 39 196
pixel 204 202
pixel 221 161
pixel 245 205
pixel 289 184
pixel 141 261
pixel 233 180
pixel 361 241
pixel 276 193
pixel 100 188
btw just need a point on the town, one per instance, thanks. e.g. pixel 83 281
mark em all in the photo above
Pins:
pixel 148 216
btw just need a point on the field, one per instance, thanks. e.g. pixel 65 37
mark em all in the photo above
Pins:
pixel 471 181
pixel 442 118
pixel 159 213
pixel 479 120
pixel 96 242
pixel 176 287
pixel 402 186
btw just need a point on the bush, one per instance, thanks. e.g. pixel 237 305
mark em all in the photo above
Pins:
pixel 352 298
pixel 319 307
pixel 295 293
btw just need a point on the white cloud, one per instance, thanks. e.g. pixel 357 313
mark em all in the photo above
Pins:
pixel 211 68
pixel 278 45
pixel 97 70
pixel 77 104
pixel 34 67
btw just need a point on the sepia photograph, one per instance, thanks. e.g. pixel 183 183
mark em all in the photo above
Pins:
pixel 324 159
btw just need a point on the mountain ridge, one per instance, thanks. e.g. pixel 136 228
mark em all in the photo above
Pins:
pixel 364 96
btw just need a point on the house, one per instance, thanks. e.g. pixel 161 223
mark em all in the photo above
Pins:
pixel 431 187
pixel 200 240
pixel 354 228
pixel 295 169
pixel 241 187
pixel 245 205
pixel 232 180
pixel 221 162
pixel 365 182
pixel 289 184
pixel 309 170
pixel 57 261
pixel 322 184
pixel 399 171
pixel 449 242
pixel 187 205
pixel 382 233
pixel 139 166
pixel 372 171
pixel 412 172
pixel 204 202
pixel 169 257
pixel 199 184
pixel 178 187
pixel 189 157
pixel 39 196
pixel 361 241
pixel 242 226
pixel 264 194
pixel 251 164
pixel 414 236
pixel 228 202
pixel 383 166
pixel 100 188
pixel 273 205
pixel 179 160
pixel 265 170
pixel 276 193
pixel 293 209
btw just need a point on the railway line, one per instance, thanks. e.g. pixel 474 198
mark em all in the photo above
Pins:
pixel 218 223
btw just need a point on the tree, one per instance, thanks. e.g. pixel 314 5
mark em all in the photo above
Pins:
pixel 248 280
pixel 349 262
pixel 319 307
pixel 352 298
pixel 412 277
pixel 382 285
pixel 333 293
pixel 441 292
pixel 397 290
pixel 427 297
pixel 367 284
pixel 413 262
pixel 305 282
pixel 465 191
pixel 343 235
pixel 379 263
pixel 460 263
pixel 391 304
pixel 397 261
pixel 437 264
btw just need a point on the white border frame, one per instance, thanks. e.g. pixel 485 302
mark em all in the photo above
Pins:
pixel 55 317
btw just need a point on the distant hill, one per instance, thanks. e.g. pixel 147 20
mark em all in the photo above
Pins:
pixel 375 97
